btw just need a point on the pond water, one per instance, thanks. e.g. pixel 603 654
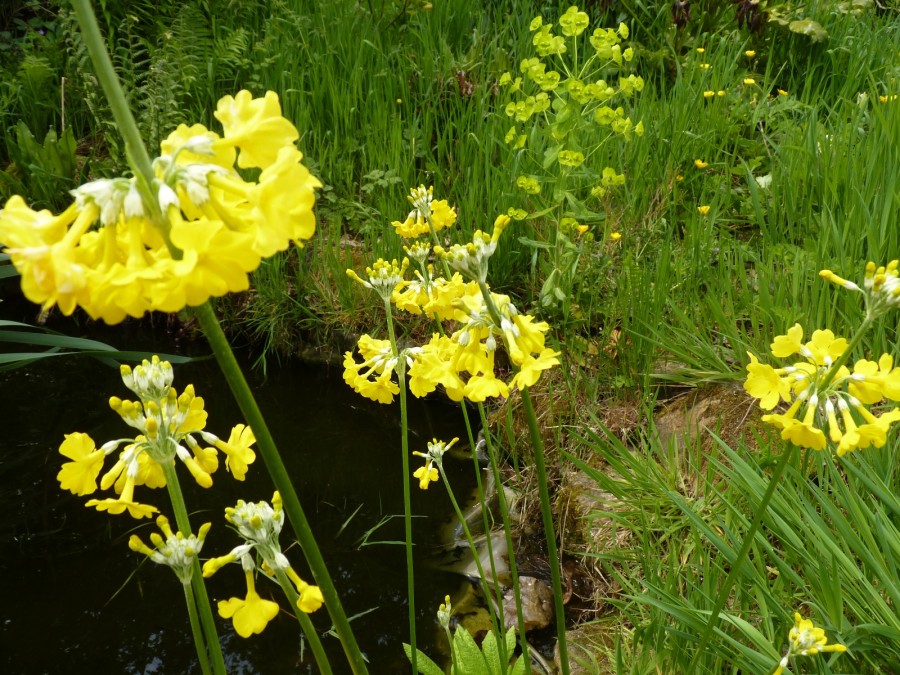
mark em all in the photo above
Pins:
pixel 77 600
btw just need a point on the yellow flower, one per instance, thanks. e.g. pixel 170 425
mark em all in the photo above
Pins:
pixel 530 369
pixel 782 92
pixel 708 94
pixel 700 164
pixel 701 50
pixel 721 92
pixel 749 53
pixel 789 344
pixel 703 210
pixel 705 66
pixel 251 614
pixel 573 22
pixel 310 597
pixel 256 127
pixel 570 158
pixel 238 455
pixel 764 383
pixel 806 639
pixel 749 81
pixel 379 362
pixel 80 476
pixel 426 474
pixel 615 236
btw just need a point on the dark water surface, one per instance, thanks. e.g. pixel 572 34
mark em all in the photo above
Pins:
pixel 75 599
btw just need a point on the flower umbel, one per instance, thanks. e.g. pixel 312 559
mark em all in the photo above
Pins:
pixel 196 233
pixel 825 394
pixel 881 286
pixel 806 639
pixel 434 459
pixel 167 422
pixel 176 550
pixel 259 525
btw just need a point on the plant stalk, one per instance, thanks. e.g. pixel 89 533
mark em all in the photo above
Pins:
pixel 537 444
pixel 204 608
pixel 306 624
pixel 272 459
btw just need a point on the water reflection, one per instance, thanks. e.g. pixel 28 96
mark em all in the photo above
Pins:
pixel 76 600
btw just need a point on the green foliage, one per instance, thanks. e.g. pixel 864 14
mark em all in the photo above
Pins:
pixel 42 173
pixel 829 548
pixel 470 659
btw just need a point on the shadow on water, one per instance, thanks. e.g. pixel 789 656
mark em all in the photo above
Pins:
pixel 77 600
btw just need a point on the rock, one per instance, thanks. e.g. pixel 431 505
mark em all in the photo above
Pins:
pixel 537 604
pixel 721 409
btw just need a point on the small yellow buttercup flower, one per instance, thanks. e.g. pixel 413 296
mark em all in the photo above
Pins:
pixel 749 81
pixel 705 66
pixel 700 164
pixel 700 50
pixel 703 210
pixel 615 236
pixel 782 92
pixel 749 53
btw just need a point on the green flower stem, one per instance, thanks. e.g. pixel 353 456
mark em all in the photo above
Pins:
pixel 269 452
pixel 847 353
pixel 507 529
pixel 537 444
pixel 407 507
pixel 196 630
pixel 741 556
pixel 135 149
pixel 485 588
pixel 306 623
pixel 197 584
pixel 479 492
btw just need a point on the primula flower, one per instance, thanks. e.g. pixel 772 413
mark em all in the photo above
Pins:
pixel 881 287
pixel 806 639
pixel 198 233
pixel 176 551
pixel 434 458
pixel 820 389
pixel 251 614
pixel 166 421
pixel 259 524
pixel 373 377
pixel 427 214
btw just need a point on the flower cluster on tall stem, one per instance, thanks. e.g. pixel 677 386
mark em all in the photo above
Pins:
pixel 168 424
pixel 124 248
pixel 259 525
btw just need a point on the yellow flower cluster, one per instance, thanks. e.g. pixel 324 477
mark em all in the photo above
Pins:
pixel 260 525
pixel 464 362
pixel 434 462
pixel 581 84
pixel 166 421
pixel 123 248
pixel 820 390
pixel 425 210
pixel 806 639
pixel 176 550
pixel 881 286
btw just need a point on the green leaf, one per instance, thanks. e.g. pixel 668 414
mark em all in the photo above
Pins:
pixel 491 653
pixel 535 244
pixel 809 27
pixel 468 659
pixel 425 665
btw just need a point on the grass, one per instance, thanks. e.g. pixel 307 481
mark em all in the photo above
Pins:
pixel 387 100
